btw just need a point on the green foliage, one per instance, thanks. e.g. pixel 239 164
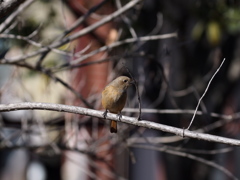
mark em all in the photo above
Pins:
pixel 214 19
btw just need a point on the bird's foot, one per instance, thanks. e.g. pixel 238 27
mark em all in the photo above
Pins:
pixel 119 116
pixel 105 114
pixel 139 118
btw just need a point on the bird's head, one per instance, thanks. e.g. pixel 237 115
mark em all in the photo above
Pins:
pixel 122 82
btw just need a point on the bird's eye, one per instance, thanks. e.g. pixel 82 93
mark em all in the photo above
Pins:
pixel 125 80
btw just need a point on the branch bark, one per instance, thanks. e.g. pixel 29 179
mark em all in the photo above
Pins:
pixel 7 6
pixel 114 117
pixel 15 14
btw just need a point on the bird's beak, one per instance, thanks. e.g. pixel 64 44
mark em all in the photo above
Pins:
pixel 131 82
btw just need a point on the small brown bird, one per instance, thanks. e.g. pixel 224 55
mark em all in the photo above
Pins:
pixel 114 97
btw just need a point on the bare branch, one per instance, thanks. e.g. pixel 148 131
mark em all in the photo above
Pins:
pixel 124 119
pixel 199 101
pixel 20 9
pixel 28 40
pixel 138 94
pixel 55 78
pixel 76 35
pixel 182 111
pixel 189 156
pixel 123 42
pixel 83 18
pixel 7 6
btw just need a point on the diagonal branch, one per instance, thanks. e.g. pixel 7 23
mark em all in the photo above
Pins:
pixel 10 18
pixel 81 33
pixel 199 101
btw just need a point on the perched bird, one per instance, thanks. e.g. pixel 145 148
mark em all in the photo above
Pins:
pixel 114 97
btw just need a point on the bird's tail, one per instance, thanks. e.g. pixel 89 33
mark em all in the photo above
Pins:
pixel 113 127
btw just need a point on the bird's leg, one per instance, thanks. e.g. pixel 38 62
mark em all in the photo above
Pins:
pixel 119 116
pixel 105 114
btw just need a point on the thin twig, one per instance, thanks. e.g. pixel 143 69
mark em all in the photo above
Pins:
pixel 138 95
pixel 189 156
pixel 126 20
pixel 28 40
pixel 67 66
pixel 199 101
pixel 55 78
pixel 182 111
pixel 82 19
pixel 123 42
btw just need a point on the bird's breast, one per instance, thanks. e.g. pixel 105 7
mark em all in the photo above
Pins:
pixel 113 99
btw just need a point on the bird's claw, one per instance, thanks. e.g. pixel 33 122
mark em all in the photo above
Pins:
pixel 119 117
pixel 105 114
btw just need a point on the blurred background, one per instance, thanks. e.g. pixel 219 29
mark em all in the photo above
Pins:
pixel 172 73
